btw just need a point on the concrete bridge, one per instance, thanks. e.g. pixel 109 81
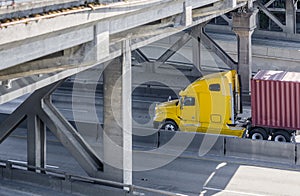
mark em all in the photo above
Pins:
pixel 50 41
pixel 42 43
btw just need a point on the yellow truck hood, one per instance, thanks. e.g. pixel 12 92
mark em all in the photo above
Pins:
pixel 168 104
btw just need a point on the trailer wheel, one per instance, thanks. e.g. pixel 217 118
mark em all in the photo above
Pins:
pixel 258 134
pixel 169 126
pixel 281 136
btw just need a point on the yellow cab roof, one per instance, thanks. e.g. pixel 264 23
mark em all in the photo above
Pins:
pixel 213 76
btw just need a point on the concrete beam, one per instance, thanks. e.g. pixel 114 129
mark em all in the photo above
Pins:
pixel 215 8
pixel 26 85
pixel 143 31
pixel 269 3
pixel 121 17
pixel 17 53
pixel 29 84
pixel 39 67
pixel 229 21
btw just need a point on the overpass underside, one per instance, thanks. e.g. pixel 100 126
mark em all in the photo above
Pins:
pixel 41 49
pixel 276 20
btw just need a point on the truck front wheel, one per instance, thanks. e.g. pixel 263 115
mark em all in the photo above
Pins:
pixel 169 126
pixel 258 134
pixel 281 136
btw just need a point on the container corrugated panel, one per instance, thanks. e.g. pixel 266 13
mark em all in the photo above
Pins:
pixel 275 99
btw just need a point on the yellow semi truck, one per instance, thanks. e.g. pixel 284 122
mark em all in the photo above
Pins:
pixel 209 105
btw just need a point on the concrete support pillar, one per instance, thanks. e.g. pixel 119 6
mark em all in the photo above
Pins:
pixel 127 113
pixel 243 25
pixel 117 133
pixel 196 41
pixel 36 141
pixel 290 18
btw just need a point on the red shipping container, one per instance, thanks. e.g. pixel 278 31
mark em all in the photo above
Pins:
pixel 275 99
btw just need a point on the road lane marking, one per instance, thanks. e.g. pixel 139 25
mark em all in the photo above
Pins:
pixel 209 178
pixel 219 166
pixel 228 191
pixel 223 164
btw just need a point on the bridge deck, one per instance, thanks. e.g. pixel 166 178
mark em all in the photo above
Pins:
pixel 87 35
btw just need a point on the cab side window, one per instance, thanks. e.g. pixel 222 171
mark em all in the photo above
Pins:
pixel 189 101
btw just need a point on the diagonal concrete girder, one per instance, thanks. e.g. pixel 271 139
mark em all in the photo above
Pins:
pixel 174 48
pixel 213 46
pixel 71 139
pixel 50 117
pixel 271 16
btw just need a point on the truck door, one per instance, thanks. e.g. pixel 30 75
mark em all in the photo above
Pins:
pixel 188 114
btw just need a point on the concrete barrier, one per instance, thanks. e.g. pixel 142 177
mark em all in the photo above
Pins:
pixel 260 150
pixel 209 144
pixel 196 143
pixel 298 154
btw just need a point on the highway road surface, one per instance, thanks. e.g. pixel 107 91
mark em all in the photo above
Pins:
pixel 184 175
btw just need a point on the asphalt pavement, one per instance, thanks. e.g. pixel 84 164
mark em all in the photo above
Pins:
pixel 181 175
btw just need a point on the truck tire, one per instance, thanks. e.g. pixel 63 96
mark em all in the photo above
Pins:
pixel 169 126
pixel 258 134
pixel 281 136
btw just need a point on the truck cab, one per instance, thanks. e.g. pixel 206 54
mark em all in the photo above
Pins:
pixel 209 105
